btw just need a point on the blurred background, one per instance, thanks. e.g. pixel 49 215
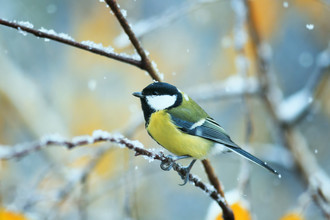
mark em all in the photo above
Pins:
pixel 51 88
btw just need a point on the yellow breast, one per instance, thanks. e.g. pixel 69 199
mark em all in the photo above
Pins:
pixel 177 142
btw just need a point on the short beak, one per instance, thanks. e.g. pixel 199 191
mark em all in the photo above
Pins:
pixel 138 94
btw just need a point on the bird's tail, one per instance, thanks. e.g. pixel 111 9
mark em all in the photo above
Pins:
pixel 254 159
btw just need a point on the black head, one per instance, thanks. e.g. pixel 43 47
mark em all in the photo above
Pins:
pixel 158 96
pixel 160 88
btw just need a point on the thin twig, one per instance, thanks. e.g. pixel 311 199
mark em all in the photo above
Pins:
pixel 299 103
pixel 227 212
pixel 214 181
pixel 146 63
pixel 68 41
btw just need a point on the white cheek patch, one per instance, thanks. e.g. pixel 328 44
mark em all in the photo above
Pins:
pixel 160 102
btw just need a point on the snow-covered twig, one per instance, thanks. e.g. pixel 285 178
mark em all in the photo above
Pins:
pixel 8 152
pixel 232 87
pixel 26 27
pixel 292 108
pixel 146 64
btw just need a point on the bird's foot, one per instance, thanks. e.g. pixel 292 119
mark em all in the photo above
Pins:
pixel 185 174
pixel 168 164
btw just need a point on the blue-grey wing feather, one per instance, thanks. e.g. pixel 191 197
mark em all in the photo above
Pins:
pixel 208 130
pixel 212 131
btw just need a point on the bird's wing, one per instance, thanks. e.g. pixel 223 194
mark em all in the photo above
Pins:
pixel 207 128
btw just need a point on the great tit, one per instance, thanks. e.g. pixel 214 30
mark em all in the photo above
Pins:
pixel 180 125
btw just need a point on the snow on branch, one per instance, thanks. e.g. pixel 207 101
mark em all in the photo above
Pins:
pixel 143 63
pixel 294 106
pixel 25 27
pixel 290 109
pixel 20 150
pixel 233 86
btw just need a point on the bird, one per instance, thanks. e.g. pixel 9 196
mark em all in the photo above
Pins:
pixel 180 125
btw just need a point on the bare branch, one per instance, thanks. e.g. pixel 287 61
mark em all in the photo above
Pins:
pixel 65 39
pixel 214 181
pixel 294 107
pixel 146 63
pixel 227 212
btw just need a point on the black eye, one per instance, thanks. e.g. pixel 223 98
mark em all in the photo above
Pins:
pixel 155 93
